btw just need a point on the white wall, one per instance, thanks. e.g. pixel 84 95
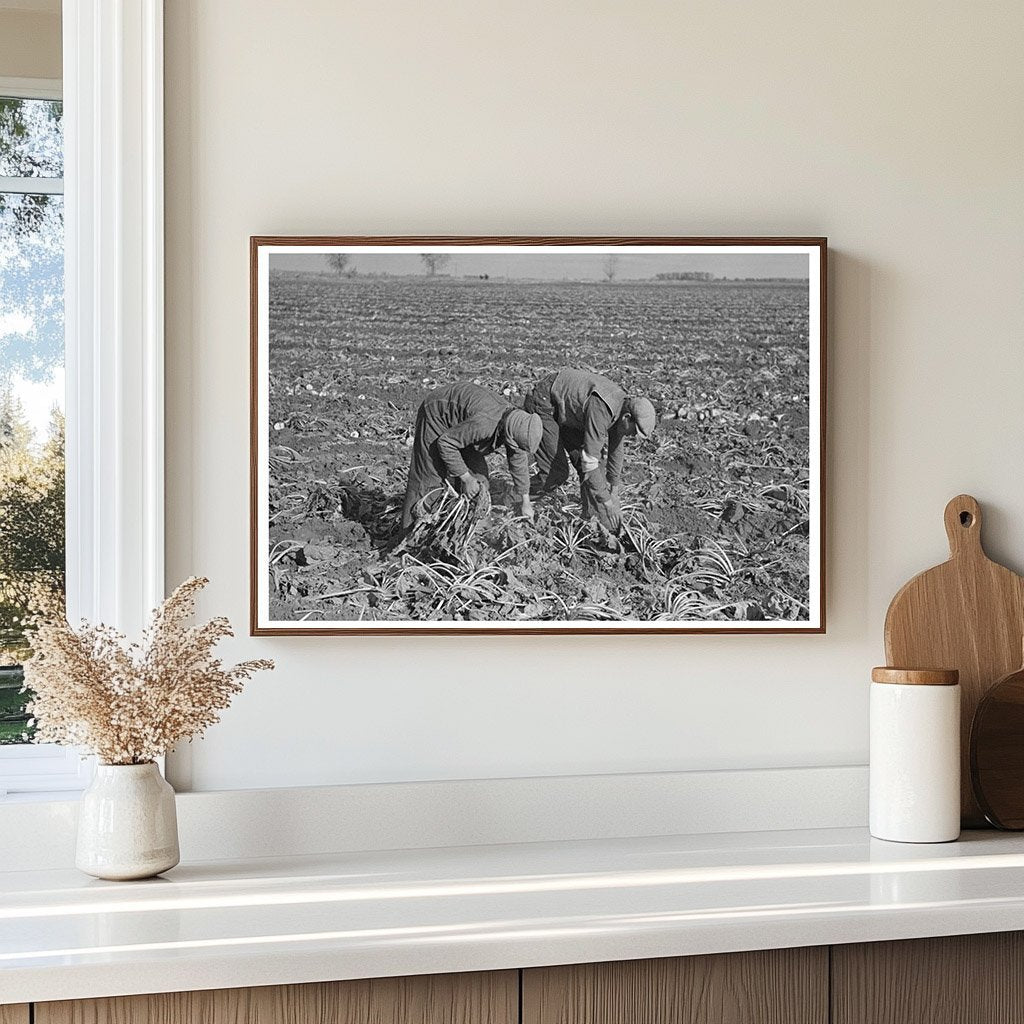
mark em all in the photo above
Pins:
pixel 30 41
pixel 895 129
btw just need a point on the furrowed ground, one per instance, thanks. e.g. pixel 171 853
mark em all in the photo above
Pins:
pixel 716 504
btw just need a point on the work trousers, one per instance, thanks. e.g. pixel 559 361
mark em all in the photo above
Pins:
pixel 427 471
pixel 561 446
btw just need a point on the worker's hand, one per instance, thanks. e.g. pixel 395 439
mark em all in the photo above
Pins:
pixel 470 485
pixel 615 513
pixel 526 508
pixel 615 488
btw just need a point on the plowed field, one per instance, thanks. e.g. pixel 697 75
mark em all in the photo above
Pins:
pixel 716 504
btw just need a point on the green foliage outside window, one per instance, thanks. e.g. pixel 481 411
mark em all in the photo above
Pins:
pixel 31 353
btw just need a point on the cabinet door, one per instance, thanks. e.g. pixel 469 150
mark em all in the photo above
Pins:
pixel 962 979
pixel 490 998
pixel 14 1014
pixel 778 986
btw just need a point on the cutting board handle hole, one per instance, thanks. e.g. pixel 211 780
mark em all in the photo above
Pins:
pixel 962 517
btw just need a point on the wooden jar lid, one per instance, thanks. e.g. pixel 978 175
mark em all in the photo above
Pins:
pixel 916 676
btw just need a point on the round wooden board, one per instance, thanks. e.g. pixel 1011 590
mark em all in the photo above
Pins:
pixel 997 752
pixel 967 613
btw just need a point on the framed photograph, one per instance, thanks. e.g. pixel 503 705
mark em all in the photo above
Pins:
pixel 537 435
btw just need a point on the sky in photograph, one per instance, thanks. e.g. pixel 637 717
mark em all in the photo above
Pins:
pixel 559 266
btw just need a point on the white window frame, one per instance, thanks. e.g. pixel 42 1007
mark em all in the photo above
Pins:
pixel 114 323
pixel 31 89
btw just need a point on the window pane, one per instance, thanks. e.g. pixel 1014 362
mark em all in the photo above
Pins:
pixel 13 720
pixel 31 431
pixel 31 138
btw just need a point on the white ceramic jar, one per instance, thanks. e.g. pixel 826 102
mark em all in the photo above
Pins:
pixel 127 823
pixel 915 755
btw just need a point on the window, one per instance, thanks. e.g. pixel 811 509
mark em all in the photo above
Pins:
pixel 112 209
pixel 31 382
pixel 32 530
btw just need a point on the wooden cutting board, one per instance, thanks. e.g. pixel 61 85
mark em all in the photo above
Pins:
pixel 967 614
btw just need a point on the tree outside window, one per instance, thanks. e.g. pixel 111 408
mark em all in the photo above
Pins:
pixel 32 541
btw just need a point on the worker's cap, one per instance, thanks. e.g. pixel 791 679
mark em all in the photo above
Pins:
pixel 643 415
pixel 524 430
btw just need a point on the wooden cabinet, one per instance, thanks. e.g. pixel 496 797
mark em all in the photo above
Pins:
pixel 962 979
pixel 491 998
pixel 969 979
pixel 778 986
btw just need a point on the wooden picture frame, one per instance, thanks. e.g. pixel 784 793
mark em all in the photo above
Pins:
pixel 728 336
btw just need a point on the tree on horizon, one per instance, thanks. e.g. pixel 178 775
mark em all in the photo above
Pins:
pixel 434 262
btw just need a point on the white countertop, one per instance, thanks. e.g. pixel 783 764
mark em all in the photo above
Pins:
pixel 352 915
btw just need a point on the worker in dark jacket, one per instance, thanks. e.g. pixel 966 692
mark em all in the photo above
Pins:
pixel 457 427
pixel 582 412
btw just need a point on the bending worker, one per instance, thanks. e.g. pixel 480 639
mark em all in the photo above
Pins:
pixel 581 412
pixel 457 427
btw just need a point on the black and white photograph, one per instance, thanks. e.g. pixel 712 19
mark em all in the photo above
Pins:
pixel 537 435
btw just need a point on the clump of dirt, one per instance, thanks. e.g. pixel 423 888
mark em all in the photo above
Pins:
pixel 311 531
pixel 680 519
pixel 686 466
pixel 316 541
pixel 351 534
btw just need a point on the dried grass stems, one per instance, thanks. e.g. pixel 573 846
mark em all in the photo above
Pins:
pixel 129 703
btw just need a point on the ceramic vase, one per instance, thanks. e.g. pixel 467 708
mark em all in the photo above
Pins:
pixel 127 825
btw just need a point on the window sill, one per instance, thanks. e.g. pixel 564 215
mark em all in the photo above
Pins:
pixel 42 771
pixel 41 797
pixel 39 830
